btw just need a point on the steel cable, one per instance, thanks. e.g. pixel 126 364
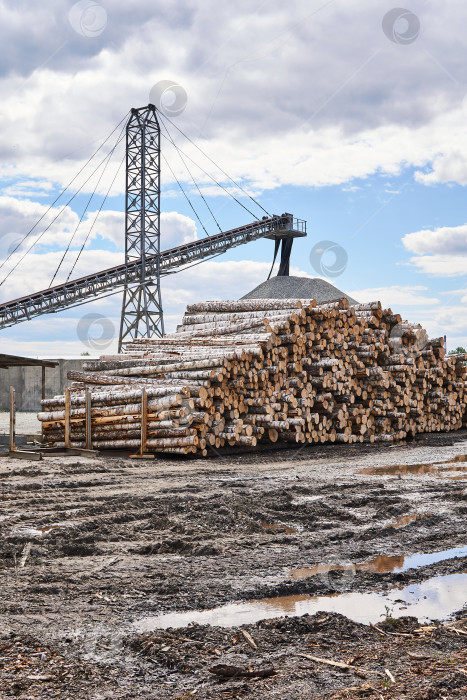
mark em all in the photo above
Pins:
pixel 61 193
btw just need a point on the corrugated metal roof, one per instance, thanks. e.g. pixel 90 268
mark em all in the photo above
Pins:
pixel 18 361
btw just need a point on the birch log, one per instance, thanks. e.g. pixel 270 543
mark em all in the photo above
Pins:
pixel 253 372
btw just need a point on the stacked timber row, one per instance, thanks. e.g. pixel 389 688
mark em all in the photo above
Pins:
pixel 241 372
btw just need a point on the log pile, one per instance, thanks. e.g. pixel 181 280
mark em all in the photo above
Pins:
pixel 237 373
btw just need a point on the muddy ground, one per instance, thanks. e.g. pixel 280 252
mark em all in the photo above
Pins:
pixel 93 549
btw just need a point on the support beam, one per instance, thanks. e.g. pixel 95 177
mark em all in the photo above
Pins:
pixel 142 305
pixel 43 382
pixel 79 291
pixel 12 439
pixel 67 419
pixel 88 420
pixel 286 250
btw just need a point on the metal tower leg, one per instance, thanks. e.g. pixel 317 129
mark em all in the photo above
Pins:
pixel 286 249
pixel 142 306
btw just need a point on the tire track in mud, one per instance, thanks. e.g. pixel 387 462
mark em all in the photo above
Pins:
pixel 113 541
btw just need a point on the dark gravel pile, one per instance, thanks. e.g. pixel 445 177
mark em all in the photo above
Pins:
pixel 298 288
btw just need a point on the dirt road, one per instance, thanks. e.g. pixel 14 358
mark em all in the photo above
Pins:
pixel 96 552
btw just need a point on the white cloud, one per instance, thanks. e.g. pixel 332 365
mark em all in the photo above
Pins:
pixel 355 105
pixel 229 279
pixel 29 188
pixel 440 265
pixel 446 240
pixel 176 229
pixel 453 292
pixel 441 252
pixel 445 320
pixel 396 295
pixel 64 334
pixel 17 217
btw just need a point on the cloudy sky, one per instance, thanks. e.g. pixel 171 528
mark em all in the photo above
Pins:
pixel 349 113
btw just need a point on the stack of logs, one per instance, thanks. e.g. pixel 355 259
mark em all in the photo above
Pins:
pixel 236 373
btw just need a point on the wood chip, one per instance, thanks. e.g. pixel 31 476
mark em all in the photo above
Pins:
pixel 428 628
pixel 25 554
pixel 235 671
pixel 358 688
pixel 458 630
pixel 338 664
pixel 390 634
pixel 329 662
pixel 418 657
pixel 389 675
pixel 249 639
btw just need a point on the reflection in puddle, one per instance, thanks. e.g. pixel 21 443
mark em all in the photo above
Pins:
pixel 384 564
pixel 318 569
pixel 395 469
pixel 436 599
pixel 280 528
pixel 418 469
pixel 380 564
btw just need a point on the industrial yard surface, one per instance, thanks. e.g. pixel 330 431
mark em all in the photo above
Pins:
pixel 26 423
pixel 289 554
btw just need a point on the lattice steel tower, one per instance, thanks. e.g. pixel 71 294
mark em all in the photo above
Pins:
pixel 142 305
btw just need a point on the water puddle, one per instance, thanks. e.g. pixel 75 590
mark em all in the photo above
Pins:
pixel 280 528
pixel 435 599
pixel 415 561
pixel 435 468
pixel 382 564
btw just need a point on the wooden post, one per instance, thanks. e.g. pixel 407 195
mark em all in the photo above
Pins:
pixel 67 418
pixel 43 382
pixel 88 420
pixel 144 421
pixel 12 419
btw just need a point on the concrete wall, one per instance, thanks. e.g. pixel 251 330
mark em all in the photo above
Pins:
pixel 28 383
